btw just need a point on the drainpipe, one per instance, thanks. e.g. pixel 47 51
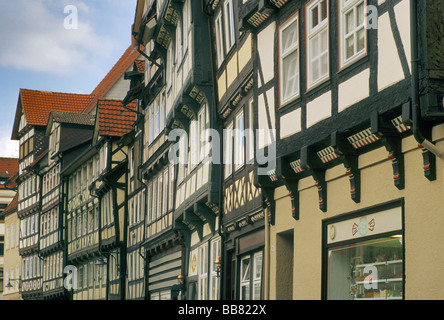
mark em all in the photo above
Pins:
pixel 415 84
pixel 267 258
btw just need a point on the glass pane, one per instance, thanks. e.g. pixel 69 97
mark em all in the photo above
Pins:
pixel 289 37
pixel 315 70
pixel 349 47
pixel 323 10
pixel 290 67
pixel 324 41
pixel 324 64
pixel 258 267
pixel 314 17
pixel 245 269
pixel 314 49
pixel 349 24
pixel 361 40
pixel 360 14
pixel 245 292
pixel 367 270
pixel 257 291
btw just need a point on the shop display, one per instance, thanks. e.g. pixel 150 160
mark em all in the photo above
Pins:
pixel 367 270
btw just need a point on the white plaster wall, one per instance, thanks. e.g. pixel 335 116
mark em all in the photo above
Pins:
pixel 319 109
pixel 354 90
pixel 290 123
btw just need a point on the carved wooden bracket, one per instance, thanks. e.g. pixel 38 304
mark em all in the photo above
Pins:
pixel 349 158
pixel 286 174
pixel 392 141
pixel 311 162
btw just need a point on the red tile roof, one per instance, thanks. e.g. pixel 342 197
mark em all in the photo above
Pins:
pixel 129 56
pixel 114 119
pixel 38 104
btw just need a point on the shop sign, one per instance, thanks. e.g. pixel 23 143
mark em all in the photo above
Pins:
pixel 376 223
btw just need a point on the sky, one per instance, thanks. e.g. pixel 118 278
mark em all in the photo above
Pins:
pixel 57 45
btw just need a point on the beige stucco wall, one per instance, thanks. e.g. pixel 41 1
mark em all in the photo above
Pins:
pixel 12 259
pixel 424 220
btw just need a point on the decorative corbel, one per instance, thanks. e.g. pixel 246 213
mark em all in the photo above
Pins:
pixel 207 213
pixel 267 187
pixel 429 159
pixel 190 217
pixel 392 141
pixel 286 174
pixel 183 229
pixel 349 158
pixel 269 203
pixel 311 162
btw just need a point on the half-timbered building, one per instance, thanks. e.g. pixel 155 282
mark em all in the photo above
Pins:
pixel 241 257
pixel 87 279
pixel 351 89
pixel 179 107
pixel 69 134
pixel 29 129
pixel 113 121
pixel 162 246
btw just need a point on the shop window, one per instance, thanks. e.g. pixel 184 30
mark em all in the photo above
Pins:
pixel 367 270
pixel 365 257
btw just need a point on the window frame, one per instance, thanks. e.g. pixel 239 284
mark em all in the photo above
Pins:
pixel 294 18
pixel 312 33
pixel 345 6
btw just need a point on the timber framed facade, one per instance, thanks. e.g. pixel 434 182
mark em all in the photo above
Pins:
pixel 330 118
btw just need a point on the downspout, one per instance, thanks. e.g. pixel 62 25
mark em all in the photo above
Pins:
pixel 267 259
pixel 416 127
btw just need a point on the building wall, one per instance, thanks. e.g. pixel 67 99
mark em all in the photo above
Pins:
pixel 12 259
pixel 423 211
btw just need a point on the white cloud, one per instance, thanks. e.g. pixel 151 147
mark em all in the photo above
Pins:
pixel 34 38
pixel 8 147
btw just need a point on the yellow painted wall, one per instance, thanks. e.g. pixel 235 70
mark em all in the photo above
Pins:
pixel 424 220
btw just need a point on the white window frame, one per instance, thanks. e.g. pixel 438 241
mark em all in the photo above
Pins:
pixel 219 39
pixel 214 280
pixel 315 33
pixel 245 278
pixel 257 280
pixel 202 272
pixel 239 140
pixel 286 52
pixel 229 27
pixel 345 7
pixel 228 150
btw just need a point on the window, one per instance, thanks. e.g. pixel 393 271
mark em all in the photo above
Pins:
pixel 229 25
pixel 250 131
pixel 228 152
pixel 353 35
pixel 215 280
pixel 239 142
pixel 289 60
pixel 365 256
pixel 219 39
pixel 202 271
pixel 245 279
pixel 317 41
pixel 251 276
